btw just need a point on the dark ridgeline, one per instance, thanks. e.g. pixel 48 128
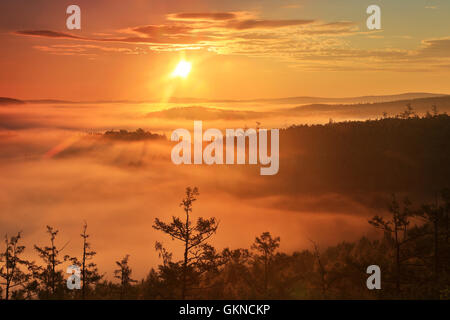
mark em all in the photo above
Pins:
pixel 413 250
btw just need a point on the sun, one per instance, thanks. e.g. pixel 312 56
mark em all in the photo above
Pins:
pixel 182 70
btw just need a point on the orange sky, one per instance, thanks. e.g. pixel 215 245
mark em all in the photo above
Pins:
pixel 238 49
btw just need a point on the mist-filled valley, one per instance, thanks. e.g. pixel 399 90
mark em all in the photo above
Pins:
pixel 59 168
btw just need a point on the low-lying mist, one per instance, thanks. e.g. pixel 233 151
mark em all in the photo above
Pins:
pixel 56 172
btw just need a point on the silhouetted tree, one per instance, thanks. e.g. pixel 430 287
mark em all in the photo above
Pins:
pixel 238 281
pixel 89 271
pixel 51 280
pixel 321 268
pixel 163 253
pixel 435 215
pixel 435 111
pixel 446 198
pixel 197 253
pixel 398 224
pixel 12 265
pixel 124 275
pixel 408 113
pixel 265 245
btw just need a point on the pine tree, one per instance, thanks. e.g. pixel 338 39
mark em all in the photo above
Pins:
pixel 197 253
pixel 124 275
pixel 51 280
pixel 265 245
pixel 89 271
pixel 395 227
pixel 12 265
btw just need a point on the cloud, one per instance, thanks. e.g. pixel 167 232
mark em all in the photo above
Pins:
pixel 291 6
pixel 204 16
pixel 266 24
pixel 47 34
pixel 155 30
pixel 436 48
pixel 84 49
pixel 307 44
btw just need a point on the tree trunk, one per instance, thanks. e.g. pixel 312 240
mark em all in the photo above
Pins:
pixel 83 289
pixel 186 249
pixel 265 275
pixel 446 218
pixel 397 260
pixel 53 268
pixel 436 242
pixel 7 271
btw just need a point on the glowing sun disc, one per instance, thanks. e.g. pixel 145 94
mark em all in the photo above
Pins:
pixel 182 70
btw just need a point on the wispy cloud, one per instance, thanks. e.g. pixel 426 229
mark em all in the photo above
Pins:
pixel 204 16
pixel 313 44
pixel 47 34
pixel 291 6
pixel 84 49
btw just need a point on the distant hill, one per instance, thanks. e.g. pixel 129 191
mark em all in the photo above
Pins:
pixel 207 113
pixel 288 100
pixel 4 101
pixel 362 99
pixel 311 100
pixel 311 113
pixel 371 110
